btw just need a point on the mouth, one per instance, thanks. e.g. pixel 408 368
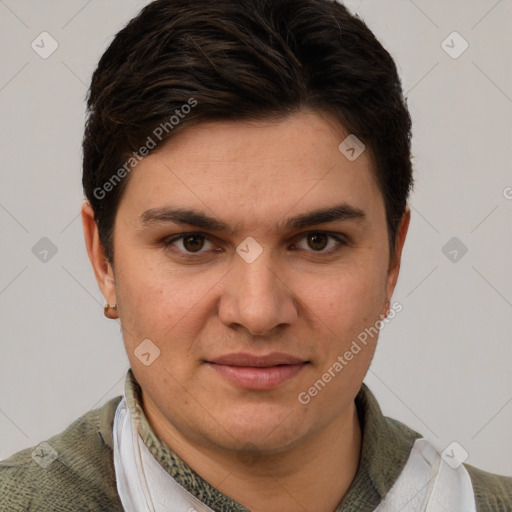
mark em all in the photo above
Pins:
pixel 258 373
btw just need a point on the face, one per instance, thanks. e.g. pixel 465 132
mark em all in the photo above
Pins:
pixel 252 255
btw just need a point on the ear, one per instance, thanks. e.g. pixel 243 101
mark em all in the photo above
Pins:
pixel 102 268
pixel 394 263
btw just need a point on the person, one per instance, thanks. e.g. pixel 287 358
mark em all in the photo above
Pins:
pixel 246 167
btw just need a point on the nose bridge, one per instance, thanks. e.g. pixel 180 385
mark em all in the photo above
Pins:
pixel 258 275
pixel 256 296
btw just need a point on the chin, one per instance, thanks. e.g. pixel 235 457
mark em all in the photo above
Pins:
pixel 263 428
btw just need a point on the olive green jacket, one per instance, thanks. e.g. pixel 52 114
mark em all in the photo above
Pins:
pixel 74 470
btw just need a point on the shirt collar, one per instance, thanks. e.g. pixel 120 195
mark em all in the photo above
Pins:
pixel 386 445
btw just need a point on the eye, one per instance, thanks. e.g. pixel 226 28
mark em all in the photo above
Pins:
pixel 320 241
pixel 191 243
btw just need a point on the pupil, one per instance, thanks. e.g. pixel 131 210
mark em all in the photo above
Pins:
pixel 317 241
pixel 193 243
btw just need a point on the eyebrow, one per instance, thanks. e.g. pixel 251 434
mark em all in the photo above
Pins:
pixel 341 212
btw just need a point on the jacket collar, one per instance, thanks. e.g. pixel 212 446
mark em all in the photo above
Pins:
pixel 386 445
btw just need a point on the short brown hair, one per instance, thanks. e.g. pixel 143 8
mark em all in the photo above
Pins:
pixel 241 59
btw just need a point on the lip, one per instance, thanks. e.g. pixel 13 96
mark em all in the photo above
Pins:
pixel 258 372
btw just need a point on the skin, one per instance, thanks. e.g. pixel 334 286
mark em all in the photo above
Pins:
pixel 263 448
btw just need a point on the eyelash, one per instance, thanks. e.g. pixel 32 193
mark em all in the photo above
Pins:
pixel 341 242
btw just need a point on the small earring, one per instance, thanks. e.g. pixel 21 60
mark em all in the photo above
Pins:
pixel 106 311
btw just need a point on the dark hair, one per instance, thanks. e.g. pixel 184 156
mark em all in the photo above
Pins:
pixel 246 60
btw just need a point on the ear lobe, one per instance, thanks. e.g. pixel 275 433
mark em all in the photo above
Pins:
pixel 102 268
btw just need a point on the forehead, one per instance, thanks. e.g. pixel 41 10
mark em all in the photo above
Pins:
pixel 257 170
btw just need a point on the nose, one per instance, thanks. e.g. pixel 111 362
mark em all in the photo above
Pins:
pixel 257 297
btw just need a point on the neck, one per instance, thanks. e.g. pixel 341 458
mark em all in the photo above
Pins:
pixel 314 475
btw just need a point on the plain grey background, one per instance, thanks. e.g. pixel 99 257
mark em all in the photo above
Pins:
pixel 443 365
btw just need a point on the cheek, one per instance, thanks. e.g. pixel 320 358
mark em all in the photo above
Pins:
pixel 147 300
pixel 160 304
pixel 347 309
pixel 347 299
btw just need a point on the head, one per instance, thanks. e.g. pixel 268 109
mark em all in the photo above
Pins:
pixel 225 119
